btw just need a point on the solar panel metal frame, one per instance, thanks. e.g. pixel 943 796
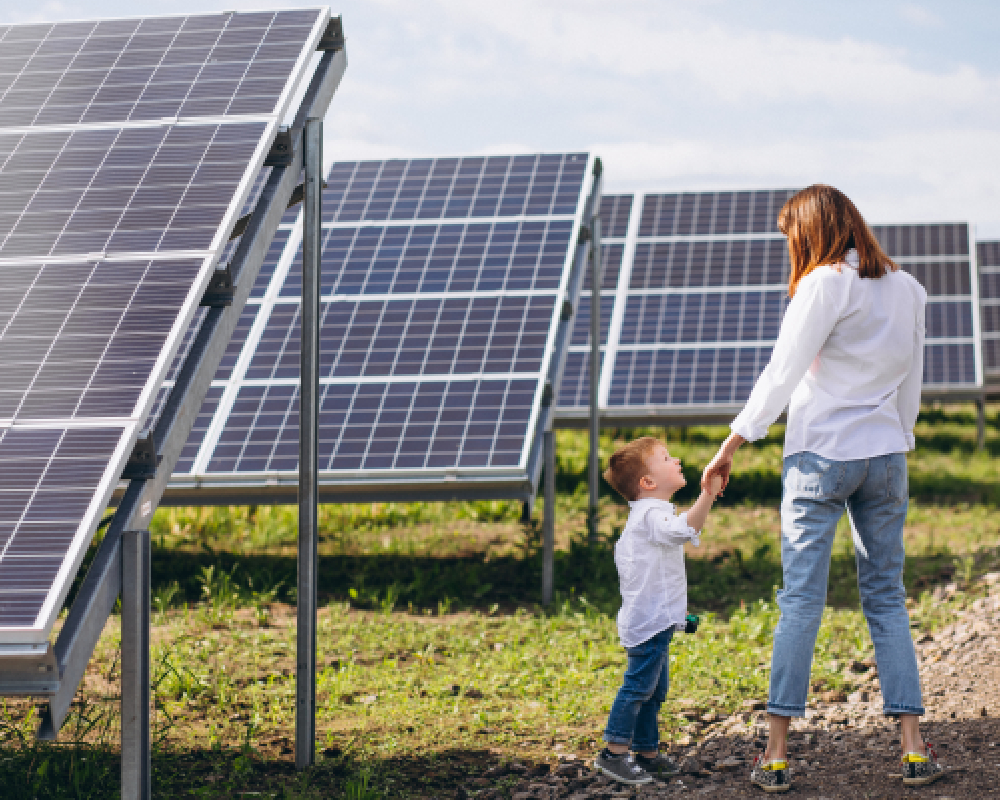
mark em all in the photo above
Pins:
pixel 29 640
pixel 480 483
pixel 709 413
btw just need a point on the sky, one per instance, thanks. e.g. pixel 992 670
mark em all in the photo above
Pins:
pixel 895 103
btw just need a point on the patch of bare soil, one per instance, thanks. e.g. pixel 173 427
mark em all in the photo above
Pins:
pixel 844 749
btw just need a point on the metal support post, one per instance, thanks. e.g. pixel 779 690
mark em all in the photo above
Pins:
pixel 549 528
pixel 135 665
pixel 981 423
pixel 593 471
pixel 305 664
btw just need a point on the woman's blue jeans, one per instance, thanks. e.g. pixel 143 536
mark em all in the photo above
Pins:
pixel 633 718
pixel 815 493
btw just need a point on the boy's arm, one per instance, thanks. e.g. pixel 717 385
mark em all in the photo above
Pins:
pixel 698 513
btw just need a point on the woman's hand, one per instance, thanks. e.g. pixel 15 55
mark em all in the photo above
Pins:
pixel 722 464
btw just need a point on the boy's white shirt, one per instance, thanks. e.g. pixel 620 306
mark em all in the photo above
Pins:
pixel 650 560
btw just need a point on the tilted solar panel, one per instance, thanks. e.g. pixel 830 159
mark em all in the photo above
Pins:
pixel 701 291
pixel 127 150
pixel 574 390
pixel 443 284
pixel 988 261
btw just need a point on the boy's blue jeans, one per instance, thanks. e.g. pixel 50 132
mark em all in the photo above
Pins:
pixel 815 493
pixel 633 718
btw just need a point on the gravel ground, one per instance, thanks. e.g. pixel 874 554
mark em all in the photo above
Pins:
pixel 844 748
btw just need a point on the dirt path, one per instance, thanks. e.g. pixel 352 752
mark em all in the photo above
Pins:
pixel 841 749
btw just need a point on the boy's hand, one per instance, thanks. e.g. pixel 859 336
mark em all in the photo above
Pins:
pixel 715 485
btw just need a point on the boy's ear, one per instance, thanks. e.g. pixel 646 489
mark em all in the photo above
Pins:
pixel 647 482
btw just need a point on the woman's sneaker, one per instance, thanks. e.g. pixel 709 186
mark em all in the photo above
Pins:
pixel 661 764
pixel 773 776
pixel 621 768
pixel 919 770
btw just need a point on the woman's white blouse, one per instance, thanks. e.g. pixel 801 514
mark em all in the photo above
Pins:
pixel 848 363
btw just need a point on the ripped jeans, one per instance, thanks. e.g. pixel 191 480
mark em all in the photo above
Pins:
pixel 815 493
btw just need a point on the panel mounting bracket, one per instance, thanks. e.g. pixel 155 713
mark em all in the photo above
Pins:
pixel 280 154
pixel 333 36
pixel 143 462
pixel 567 310
pixel 219 292
pixel 31 670
pixel 584 236
pixel 293 200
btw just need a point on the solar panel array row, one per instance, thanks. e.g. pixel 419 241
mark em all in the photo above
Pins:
pixel 424 188
pixel 113 214
pixel 702 288
pixel 436 337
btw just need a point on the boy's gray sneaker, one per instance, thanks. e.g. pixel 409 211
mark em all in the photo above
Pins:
pixel 919 770
pixel 621 768
pixel 661 764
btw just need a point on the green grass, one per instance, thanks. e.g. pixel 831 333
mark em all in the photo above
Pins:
pixel 435 658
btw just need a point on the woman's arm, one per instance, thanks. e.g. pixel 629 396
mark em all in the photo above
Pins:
pixel 908 395
pixel 808 321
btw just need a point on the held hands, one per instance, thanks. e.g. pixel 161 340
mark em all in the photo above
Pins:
pixel 715 478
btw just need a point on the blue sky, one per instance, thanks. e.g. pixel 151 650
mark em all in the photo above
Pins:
pixel 896 103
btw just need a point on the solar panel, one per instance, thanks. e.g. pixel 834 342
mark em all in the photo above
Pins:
pixel 574 389
pixel 988 259
pixel 442 288
pixel 127 149
pixel 940 257
pixel 701 291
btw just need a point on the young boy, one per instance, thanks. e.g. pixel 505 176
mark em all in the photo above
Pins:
pixel 650 561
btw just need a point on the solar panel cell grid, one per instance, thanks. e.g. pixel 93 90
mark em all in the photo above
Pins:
pixel 611 265
pixel 47 479
pixel 711 213
pixel 411 337
pixel 537 185
pixel 941 278
pixel 615 210
pixel 190 451
pixel 909 241
pixel 503 256
pixel 581 321
pixel 750 316
pixel 381 426
pixel 683 377
pixel 144 69
pixel 686 264
pixel 82 338
pixel 988 254
pixel 120 190
pixel 574 390
pixel 949 364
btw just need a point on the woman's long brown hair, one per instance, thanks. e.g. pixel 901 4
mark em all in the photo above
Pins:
pixel 822 224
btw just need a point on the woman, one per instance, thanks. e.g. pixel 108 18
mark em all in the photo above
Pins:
pixel 848 364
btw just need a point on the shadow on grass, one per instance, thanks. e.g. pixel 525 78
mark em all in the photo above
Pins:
pixel 56 772
pixel 385 582
pixel 84 772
